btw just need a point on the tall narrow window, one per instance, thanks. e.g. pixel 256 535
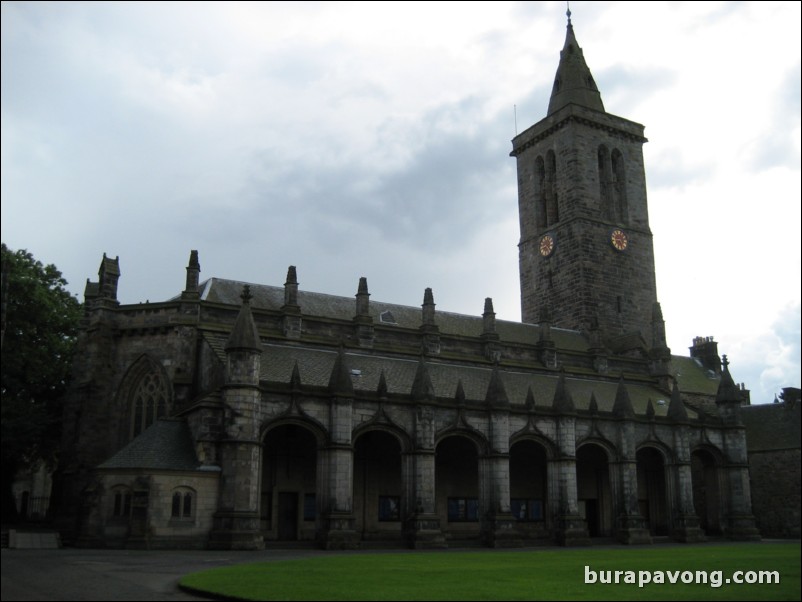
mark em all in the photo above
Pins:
pixel 552 211
pixel 540 193
pixel 605 177
pixel 619 188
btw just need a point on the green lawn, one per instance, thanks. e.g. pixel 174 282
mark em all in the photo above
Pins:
pixel 512 575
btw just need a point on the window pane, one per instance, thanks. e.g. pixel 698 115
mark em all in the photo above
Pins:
pixel 389 508
pixel 472 509
pixel 187 505
pixel 176 511
pixel 309 507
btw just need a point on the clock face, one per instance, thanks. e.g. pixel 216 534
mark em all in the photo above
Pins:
pixel 619 239
pixel 546 245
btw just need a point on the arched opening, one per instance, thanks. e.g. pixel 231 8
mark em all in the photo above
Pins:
pixel 378 486
pixel 528 488
pixel 288 507
pixel 594 492
pixel 619 188
pixel 457 486
pixel 706 496
pixel 605 178
pixel 552 209
pixel 652 501
pixel 540 193
pixel 147 394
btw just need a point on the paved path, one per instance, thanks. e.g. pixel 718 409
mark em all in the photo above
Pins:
pixel 73 574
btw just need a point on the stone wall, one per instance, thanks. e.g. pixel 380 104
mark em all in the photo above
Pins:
pixel 773 446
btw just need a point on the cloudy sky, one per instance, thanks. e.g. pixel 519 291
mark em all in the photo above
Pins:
pixel 372 139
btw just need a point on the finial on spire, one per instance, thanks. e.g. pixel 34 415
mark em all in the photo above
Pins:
pixel 568 12
pixel 246 294
pixel 725 361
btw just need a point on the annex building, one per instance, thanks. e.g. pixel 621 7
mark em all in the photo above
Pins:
pixel 237 415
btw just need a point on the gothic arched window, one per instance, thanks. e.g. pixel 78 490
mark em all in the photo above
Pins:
pixel 148 395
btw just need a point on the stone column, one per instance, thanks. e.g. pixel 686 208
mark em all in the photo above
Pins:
pixel 740 522
pixel 631 528
pixel 498 524
pixel 571 528
pixel 339 524
pixel 422 524
pixel 685 523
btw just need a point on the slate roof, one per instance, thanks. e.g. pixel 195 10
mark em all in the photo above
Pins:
pixel 265 297
pixel 165 445
pixel 693 377
pixel 315 366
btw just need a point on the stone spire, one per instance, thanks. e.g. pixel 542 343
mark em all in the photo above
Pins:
pixel 489 318
pixel 291 290
pixel 676 409
pixel 340 383
pixel 362 298
pixel 428 308
pixel 422 387
pixel 622 407
pixel 728 391
pixel 563 402
pixel 496 394
pixel 193 273
pixel 244 336
pixel 573 83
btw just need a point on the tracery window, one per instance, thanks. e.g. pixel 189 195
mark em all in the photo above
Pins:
pixel 149 398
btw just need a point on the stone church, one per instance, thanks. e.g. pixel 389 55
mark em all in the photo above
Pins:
pixel 235 416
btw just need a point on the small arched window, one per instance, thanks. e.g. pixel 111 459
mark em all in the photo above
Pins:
pixel 183 504
pixel 120 502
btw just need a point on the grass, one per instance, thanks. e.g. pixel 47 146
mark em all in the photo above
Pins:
pixel 506 575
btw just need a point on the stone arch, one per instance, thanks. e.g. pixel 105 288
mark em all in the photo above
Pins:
pixel 653 490
pixel 145 394
pixel 378 483
pixel 290 476
pixel 479 440
pixel 318 430
pixel 547 444
pixel 530 486
pixel 706 479
pixel 404 440
pixel 595 493
pixel 458 487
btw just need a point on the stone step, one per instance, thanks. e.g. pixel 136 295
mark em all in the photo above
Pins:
pixel 35 540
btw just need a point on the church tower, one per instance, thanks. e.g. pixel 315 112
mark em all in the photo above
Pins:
pixel 585 255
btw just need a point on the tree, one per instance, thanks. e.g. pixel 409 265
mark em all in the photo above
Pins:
pixel 39 327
